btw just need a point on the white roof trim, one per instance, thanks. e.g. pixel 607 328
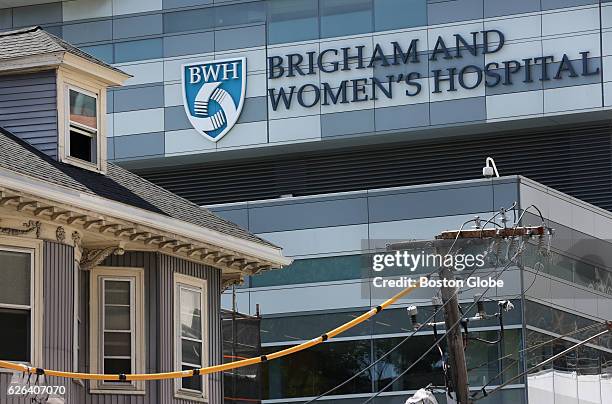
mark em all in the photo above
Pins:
pixel 24 183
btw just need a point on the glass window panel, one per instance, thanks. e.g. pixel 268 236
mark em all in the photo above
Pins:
pixel 82 146
pixel 117 344
pixel 394 14
pixel 191 320
pixel 15 340
pixel 191 383
pixel 316 370
pixel 102 52
pixel 15 277
pixel 191 352
pixel 117 318
pixel 189 20
pixel 345 17
pixel 315 270
pixel 138 50
pixel 117 292
pixel 83 109
pixel 292 20
pixel 117 366
pixel 240 14
pixel 427 370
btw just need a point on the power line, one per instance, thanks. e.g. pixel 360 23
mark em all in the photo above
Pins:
pixel 588 327
pixel 436 312
pixel 439 339
pixel 477 220
pixel 544 363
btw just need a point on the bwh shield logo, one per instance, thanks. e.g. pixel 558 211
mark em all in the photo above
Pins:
pixel 213 95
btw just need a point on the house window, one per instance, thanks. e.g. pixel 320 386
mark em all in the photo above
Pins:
pixel 82 142
pixel 191 349
pixel 16 314
pixel 118 326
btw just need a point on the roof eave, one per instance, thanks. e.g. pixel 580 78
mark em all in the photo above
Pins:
pixel 94 203
pixel 112 77
pixel 26 64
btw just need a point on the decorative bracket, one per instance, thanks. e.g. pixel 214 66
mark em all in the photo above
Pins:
pixel 30 226
pixel 93 258
pixel 229 282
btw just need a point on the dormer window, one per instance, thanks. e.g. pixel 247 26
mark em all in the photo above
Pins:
pixel 83 125
pixel 82 122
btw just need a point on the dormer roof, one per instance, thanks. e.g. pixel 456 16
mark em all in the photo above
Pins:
pixel 33 47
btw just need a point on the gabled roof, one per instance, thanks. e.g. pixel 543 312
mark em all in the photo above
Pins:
pixel 34 41
pixel 118 185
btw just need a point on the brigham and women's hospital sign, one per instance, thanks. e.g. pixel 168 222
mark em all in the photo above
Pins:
pixel 214 92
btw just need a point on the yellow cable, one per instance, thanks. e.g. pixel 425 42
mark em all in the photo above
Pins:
pixel 217 368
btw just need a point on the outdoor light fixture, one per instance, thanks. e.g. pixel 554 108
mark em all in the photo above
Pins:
pixel 413 311
pixel 490 169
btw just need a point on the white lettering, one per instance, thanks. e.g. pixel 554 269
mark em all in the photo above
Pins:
pixel 194 75
pixel 234 70
pixel 211 71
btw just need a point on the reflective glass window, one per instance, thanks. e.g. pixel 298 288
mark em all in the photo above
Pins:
pixel 345 17
pixel 395 14
pixel 292 20
pixel 316 370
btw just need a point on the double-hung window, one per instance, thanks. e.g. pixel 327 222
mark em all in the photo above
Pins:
pixel 191 349
pixel 16 305
pixel 82 142
pixel 21 300
pixel 118 325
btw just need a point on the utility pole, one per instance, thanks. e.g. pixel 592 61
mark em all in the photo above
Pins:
pixel 454 339
pixel 452 317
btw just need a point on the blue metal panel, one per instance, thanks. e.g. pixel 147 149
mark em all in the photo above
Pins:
pixel 347 123
pixel 178 45
pixel 94 31
pixel 254 109
pixel 458 111
pixel 150 24
pixel 443 11
pixel 175 118
pixel 143 145
pixel 138 50
pixel 403 116
pixel 303 214
pixel 37 14
pixel 141 97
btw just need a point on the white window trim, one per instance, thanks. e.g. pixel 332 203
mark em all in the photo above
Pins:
pixel 136 277
pixel 67 80
pixel 82 129
pixel 34 248
pixel 202 286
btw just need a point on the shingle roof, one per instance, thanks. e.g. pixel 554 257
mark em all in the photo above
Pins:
pixel 34 41
pixel 118 185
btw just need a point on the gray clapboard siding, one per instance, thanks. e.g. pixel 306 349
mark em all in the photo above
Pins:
pixel 58 289
pixel 58 312
pixel 159 333
pixel 148 261
pixel 167 266
pixel 28 108
pixel 159 312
